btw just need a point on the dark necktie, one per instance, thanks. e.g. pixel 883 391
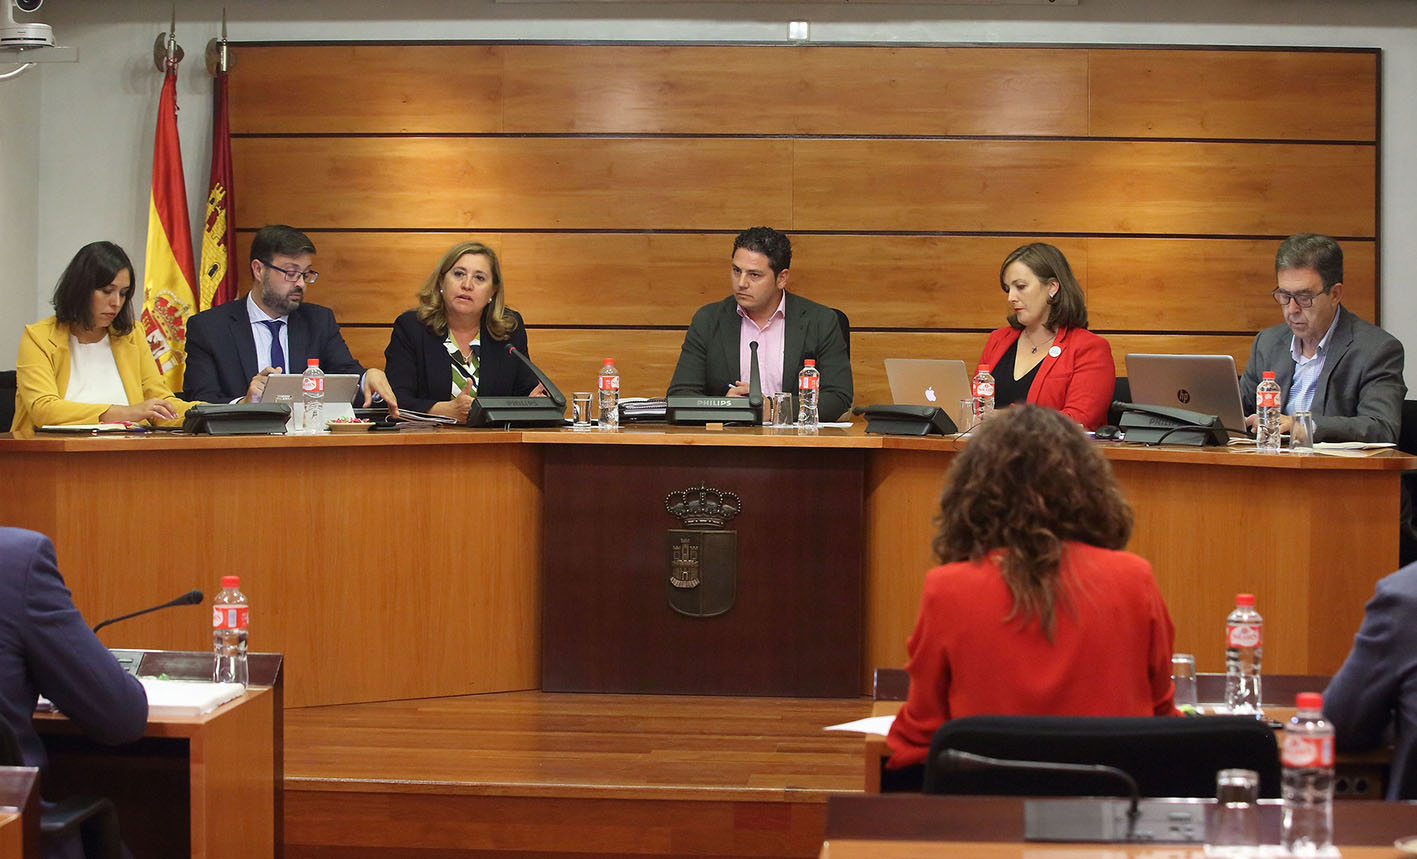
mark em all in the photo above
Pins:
pixel 277 353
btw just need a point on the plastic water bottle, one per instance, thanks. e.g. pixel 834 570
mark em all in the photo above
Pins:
pixel 982 390
pixel 231 614
pixel 1267 408
pixel 809 388
pixel 1244 633
pixel 312 395
pixel 1307 828
pixel 609 407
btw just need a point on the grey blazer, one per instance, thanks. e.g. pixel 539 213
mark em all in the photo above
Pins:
pixel 709 360
pixel 1359 393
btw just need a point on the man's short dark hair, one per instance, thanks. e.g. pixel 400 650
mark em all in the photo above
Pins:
pixel 95 266
pixel 768 242
pixel 1311 250
pixel 275 239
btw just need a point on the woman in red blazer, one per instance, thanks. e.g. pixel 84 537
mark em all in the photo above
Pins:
pixel 1035 609
pixel 1046 355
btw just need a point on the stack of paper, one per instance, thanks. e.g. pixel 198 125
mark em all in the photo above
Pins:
pixel 187 697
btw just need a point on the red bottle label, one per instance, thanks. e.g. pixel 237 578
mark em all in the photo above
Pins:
pixel 1268 399
pixel 1242 635
pixel 983 389
pixel 312 384
pixel 609 383
pixel 1302 751
pixel 230 616
pixel 809 383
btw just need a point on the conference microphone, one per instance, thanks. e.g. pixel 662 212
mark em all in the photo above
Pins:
pixel 193 597
pixel 953 761
pixel 755 380
pixel 553 392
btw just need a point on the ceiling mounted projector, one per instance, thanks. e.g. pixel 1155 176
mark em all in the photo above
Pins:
pixel 15 35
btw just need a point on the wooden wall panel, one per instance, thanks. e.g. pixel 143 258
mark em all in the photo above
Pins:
pixel 1306 95
pixel 345 89
pixel 1203 285
pixel 1084 186
pixel 637 279
pixel 495 183
pixel 803 90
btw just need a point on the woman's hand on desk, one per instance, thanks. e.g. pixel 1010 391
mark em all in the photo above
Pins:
pixel 457 407
pixel 155 410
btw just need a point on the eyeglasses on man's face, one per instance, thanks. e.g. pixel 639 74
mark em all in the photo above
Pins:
pixel 307 276
pixel 1303 299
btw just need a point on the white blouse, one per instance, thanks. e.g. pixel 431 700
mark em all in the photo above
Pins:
pixel 93 374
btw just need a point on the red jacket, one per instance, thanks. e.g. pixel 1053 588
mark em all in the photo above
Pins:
pixel 1077 381
pixel 1110 654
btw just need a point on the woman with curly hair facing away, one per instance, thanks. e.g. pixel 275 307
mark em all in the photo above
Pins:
pixel 1035 609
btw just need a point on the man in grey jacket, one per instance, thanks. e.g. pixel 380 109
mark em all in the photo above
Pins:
pixel 1346 371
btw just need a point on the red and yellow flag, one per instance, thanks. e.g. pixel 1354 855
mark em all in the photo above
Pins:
pixel 218 272
pixel 168 296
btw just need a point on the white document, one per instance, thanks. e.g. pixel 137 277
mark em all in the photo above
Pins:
pixel 187 697
pixel 869 725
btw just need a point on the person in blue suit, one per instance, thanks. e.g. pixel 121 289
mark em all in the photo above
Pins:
pixel 47 649
pixel 1377 685
pixel 233 347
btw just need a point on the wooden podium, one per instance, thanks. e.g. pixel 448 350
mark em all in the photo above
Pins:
pixel 206 786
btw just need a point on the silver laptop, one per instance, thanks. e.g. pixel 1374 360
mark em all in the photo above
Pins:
pixel 929 382
pixel 1201 383
pixel 339 396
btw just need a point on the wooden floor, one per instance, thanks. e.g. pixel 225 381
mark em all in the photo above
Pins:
pixel 543 774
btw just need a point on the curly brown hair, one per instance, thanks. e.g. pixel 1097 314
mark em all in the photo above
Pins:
pixel 1028 481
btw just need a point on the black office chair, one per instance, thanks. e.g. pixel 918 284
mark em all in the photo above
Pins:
pixel 1167 756
pixel 93 819
pixel 1407 443
pixel 8 389
pixel 1121 393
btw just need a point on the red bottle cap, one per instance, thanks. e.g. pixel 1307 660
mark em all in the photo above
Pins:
pixel 1245 599
pixel 1309 701
pixel 1267 374
pixel 810 362
pixel 982 368
pixel 609 361
pixel 231 581
pixel 313 362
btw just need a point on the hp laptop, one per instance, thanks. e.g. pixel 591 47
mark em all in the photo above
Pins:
pixel 1201 383
pixel 929 382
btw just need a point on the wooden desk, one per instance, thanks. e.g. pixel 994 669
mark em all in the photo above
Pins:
pixel 208 786
pixel 357 569
pixel 19 813
pixel 924 827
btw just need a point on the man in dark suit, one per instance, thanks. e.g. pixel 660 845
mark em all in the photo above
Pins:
pixel 1377 684
pixel 46 648
pixel 787 327
pixel 1344 370
pixel 233 347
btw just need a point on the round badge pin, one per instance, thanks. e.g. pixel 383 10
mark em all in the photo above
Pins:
pixel 1055 351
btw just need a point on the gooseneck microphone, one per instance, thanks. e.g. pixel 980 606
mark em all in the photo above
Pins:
pixel 553 392
pixel 755 380
pixel 956 761
pixel 193 597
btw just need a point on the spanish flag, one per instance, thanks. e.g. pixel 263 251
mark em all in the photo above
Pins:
pixel 168 296
pixel 218 270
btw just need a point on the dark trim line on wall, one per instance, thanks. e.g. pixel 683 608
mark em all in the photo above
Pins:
pixel 627 135
pixel 1278 237
pixel 670 43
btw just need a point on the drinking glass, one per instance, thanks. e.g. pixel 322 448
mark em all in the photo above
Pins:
pixel 782 415
pixel 1234 827
pixel 580 409
pixel 1183 674
pixel 1301 433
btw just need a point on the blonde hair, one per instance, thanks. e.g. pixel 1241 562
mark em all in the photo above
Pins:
pixel 495 316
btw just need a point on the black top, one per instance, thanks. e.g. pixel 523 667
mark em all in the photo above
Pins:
pixel 1007 389
pixel 421 374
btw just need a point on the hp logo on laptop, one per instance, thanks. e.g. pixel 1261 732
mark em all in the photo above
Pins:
pixel 1183 396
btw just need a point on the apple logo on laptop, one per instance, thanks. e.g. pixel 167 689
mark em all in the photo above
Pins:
pixel 1183 396
pixel 930 394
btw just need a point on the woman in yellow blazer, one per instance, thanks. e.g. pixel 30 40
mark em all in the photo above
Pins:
pixel 89 363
